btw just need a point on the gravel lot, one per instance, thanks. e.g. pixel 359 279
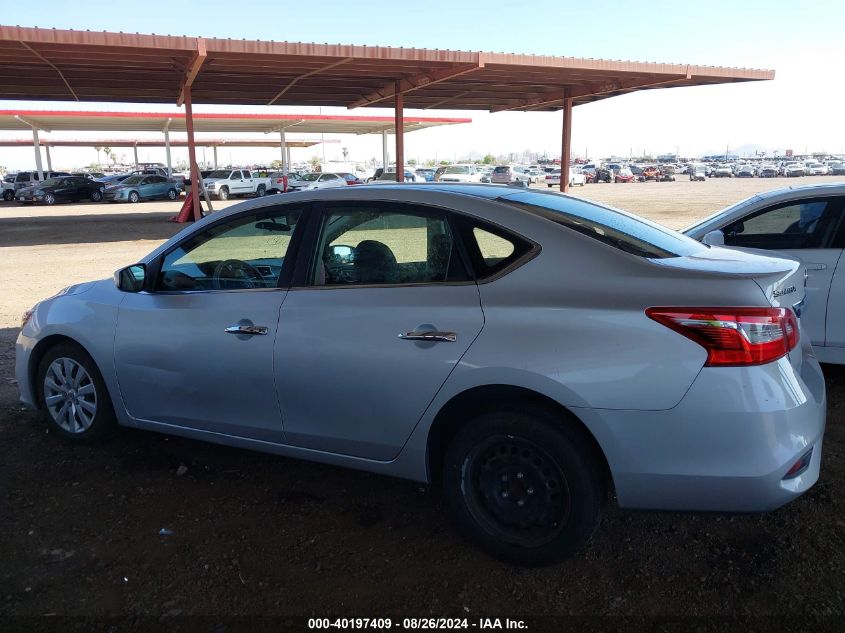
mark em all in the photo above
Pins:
pixel 254 534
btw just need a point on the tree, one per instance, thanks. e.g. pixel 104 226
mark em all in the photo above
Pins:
pixel 109 153
pixel 488 159
pixel 445 162
pixel 99 149
pixel 314 162
pixel 412 162
pixel 345 151
pixel 276 164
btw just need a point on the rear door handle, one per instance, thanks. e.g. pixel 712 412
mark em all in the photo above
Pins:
pixel 246 329
pixel 428 335
pixel 815 266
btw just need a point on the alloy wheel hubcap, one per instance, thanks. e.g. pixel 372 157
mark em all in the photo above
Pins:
pixel 70 395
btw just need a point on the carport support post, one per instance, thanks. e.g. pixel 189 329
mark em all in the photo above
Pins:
pixel 192 153
pixel 135 147
pixel 284 144
pixel 167 148
pixel 399 124
pixel 566 145
pixel 49 162
pixel 384 149
pixel 37 145
pixel 215 157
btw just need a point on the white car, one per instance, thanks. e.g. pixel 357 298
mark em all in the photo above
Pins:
pixel 225 183
pixel 575 178
pixel 803 222
pixel 817 169
pixel 794 170
pixel 317 180
pixel 461 173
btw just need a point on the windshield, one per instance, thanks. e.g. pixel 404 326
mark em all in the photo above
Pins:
pixel 219 173
pixel 457 169
pixel 618 229
pixel 133 180
pixel 52 182
pixel 310 177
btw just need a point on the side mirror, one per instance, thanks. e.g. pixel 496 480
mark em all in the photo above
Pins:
pixel 714 238
pixel 341 253
pixel 132 278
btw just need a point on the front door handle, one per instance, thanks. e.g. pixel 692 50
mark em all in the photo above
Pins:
pixel 246 329
pixel 428 335
pixel 816 266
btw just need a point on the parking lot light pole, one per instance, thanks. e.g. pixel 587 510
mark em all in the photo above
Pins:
pixel 566 144
pixel 399 124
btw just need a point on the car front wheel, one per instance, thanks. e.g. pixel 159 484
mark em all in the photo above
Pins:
pixel 73 395
pixel 134 197
pixel 525 485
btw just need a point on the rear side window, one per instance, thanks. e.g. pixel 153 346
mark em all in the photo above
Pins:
pixel 799 224
pixel 620 230
pixel 491 250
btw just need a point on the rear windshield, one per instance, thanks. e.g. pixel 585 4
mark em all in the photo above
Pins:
pixel 501 170
pixel 628 233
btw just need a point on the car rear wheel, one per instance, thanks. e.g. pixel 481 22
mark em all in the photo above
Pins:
pixel 261 191
pixel 73 395
pixel 134 197
pixel 524 485
pixel 96 196
pixel 172 194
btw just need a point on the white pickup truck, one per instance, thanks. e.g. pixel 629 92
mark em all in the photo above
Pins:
pixel 225 183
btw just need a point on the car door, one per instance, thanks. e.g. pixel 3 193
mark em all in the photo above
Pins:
pixel 196 348
pixel 805 229
pixel 382 311
pixel 67 189
pixel 835 333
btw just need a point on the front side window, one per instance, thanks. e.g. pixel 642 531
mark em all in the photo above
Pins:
pixel 801 224
pixel 378 246
pixel 244 253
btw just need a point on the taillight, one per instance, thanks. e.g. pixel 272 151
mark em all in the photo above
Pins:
pixel 734 336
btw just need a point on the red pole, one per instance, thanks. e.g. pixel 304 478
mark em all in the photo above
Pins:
pixel 192 154
pixel 566 144
pixel 399 124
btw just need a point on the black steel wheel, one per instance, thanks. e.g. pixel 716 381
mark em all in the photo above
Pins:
pixel 524 484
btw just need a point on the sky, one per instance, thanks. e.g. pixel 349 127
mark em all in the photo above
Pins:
pixel 802 109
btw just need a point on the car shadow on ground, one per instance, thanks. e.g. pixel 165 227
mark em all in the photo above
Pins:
pixel 81 229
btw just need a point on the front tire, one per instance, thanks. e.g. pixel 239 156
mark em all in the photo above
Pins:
pixel 223 194
pixel 96 196
pixel 8 195
pixel 73 395
pixel 50 199
pixel 134 197
pixel 525 485
pixel 172 194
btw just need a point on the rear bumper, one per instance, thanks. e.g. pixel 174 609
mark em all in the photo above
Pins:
pixel 725 447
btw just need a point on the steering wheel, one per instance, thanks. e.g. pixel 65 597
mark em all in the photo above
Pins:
pixel 233 274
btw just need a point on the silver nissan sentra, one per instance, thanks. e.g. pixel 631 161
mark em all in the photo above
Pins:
pixel 525 351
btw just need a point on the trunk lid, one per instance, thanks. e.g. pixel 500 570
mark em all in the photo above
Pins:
pixel 781 278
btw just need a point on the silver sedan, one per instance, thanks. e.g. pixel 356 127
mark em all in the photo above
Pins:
pixel 526 351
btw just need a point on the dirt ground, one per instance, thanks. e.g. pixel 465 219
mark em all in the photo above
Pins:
pixel 250 534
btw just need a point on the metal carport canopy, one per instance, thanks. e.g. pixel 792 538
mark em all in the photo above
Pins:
pixel 52 64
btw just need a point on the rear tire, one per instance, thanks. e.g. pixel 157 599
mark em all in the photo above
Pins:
pixel 261 191
pixel 73 395
pixel 524 485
